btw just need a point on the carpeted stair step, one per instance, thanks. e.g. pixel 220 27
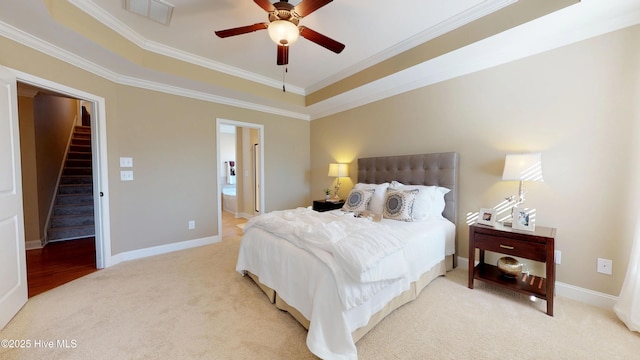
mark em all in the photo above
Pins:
pixel 85 129
pixel 80 148
pixel 78 163
pixel 68 199
pixel 67 189
pixel 81 141
pixel 73 215
pixel 76 179
pixel 67 221
pixel 76 171
pixel 78 155
pixel 73 209
pixel 81 135
pixel 71 232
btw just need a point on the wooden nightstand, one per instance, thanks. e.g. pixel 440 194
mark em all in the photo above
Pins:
pixel 536 245
pixel 324 205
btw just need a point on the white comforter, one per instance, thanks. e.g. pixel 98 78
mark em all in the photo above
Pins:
pixel 307 282
pixel 356 250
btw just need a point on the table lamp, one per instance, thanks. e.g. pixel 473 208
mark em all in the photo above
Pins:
pixel 522 167
pixel 338 171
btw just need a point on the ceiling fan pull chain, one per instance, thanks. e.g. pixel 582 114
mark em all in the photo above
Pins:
pixel 284 70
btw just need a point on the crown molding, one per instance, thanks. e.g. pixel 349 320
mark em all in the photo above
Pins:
pixel 76 60
pixel 579 22
pixel 104 17
pixel 587 19
pixel 483 9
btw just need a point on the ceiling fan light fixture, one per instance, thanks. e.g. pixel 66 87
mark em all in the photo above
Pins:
pixel 283 32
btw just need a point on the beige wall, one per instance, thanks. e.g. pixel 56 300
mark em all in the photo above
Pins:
pixel 576 105
pixel 172 142
pixel 54 118
pixel 32 230
pixel 175 170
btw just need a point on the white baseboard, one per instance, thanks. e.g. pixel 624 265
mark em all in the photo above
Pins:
pixel 33 244
pixel 586 296
pixel 161 249
pixel 572 292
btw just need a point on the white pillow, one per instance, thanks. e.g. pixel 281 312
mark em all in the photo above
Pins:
pixel 376 205
pixel 430 201
pixel 398 204
pixel 358 200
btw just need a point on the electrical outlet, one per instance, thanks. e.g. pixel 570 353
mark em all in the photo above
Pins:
pixel 558 256
pixel 605 266
pixel 192 224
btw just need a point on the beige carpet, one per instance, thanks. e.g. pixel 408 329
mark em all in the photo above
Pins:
pixel 193 305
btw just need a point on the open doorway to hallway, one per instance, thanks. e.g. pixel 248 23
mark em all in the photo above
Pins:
pixel 57 181
pixel 240 169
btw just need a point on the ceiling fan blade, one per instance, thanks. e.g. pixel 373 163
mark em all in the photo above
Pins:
pixel 241 30
pixel 306 7
pixel 265 4
pixel 321 40
pixel 283 55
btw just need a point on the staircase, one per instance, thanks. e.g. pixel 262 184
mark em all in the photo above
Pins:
pixel 72 215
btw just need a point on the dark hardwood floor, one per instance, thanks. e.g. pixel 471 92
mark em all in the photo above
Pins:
pixel 59 263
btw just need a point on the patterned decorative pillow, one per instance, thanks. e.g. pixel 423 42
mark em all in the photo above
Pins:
pixel 429 203
pixel 358 200
pixel 376 205
pixel 398 204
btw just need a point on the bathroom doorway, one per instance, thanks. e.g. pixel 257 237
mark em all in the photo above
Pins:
pixel 240 168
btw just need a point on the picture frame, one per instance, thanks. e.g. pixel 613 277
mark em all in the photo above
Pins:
pixel 523 219
pixel 487 217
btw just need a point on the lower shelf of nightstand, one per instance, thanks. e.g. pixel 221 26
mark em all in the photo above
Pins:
pixel 524 284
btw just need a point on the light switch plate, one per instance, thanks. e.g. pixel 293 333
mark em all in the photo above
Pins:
pixel 126 175
pixel 126 162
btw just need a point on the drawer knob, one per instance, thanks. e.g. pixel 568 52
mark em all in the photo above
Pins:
pixel 506 247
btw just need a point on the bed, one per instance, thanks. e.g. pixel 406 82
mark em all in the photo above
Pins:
pixel 305 282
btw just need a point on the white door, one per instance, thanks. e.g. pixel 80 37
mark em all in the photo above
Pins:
pixel 13 268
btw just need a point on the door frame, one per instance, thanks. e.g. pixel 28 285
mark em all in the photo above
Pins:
pixel 99 160
pixel 260 128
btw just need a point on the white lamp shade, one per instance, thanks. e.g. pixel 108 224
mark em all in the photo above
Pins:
pixel 527 167
pixel 283 32
pixel 338 170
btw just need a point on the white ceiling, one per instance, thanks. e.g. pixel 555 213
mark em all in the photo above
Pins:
pixel 372 30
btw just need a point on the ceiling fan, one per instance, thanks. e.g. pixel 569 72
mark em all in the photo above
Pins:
pixel 283 26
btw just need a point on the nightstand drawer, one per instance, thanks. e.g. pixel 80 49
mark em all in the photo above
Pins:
pixel 530 250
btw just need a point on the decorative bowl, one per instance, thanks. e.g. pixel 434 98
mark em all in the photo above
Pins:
pixel 509 267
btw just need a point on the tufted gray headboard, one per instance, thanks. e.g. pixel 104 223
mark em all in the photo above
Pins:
pixel 439 169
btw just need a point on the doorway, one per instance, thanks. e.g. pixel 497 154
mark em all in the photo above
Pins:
pixel 247 177
pixel 51 263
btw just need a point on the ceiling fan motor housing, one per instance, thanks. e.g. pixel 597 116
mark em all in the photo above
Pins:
pixel 284 11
